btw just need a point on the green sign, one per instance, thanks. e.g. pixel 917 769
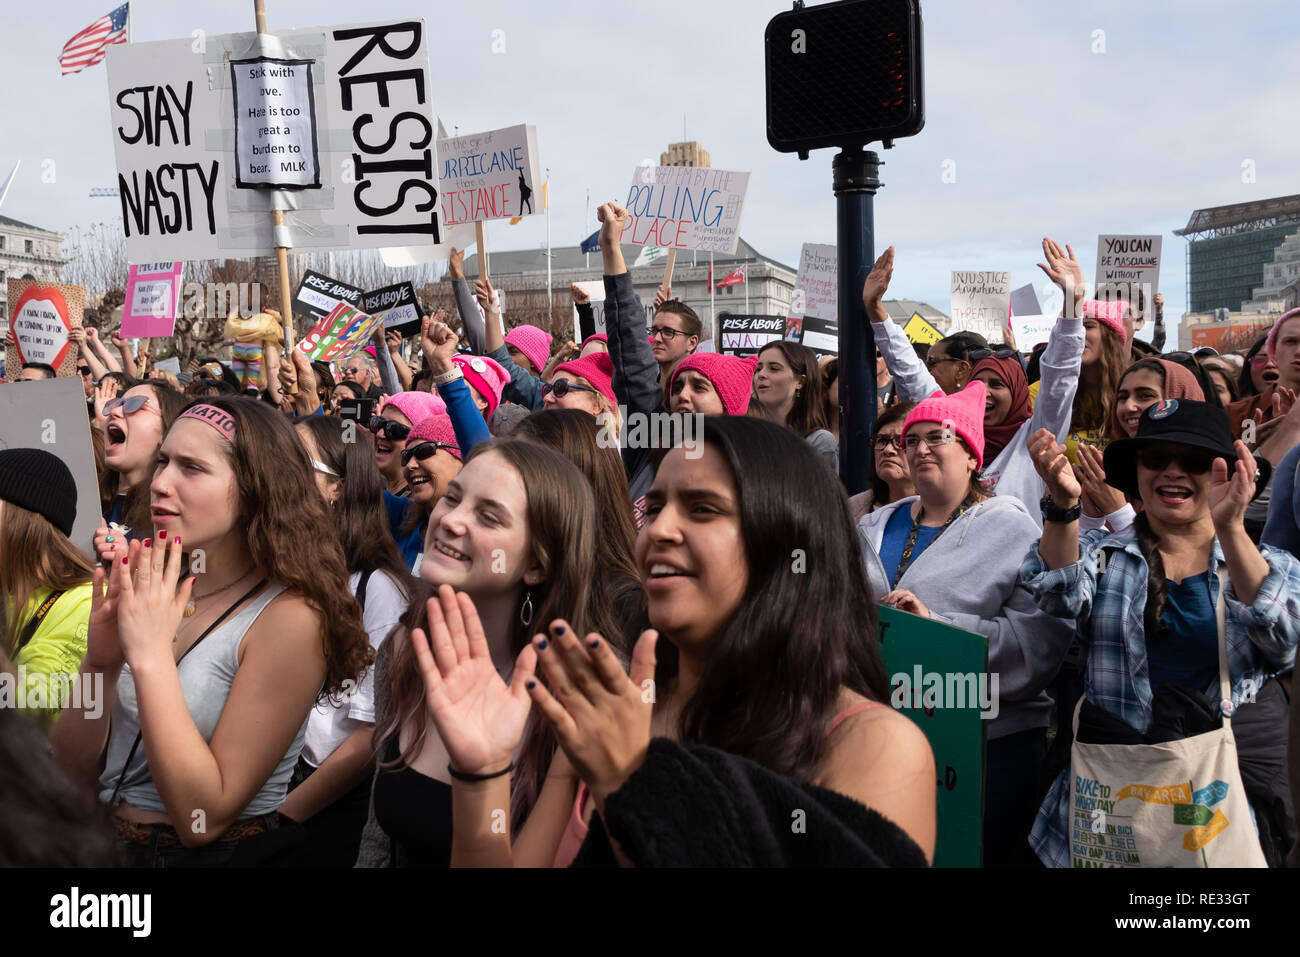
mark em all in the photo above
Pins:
pixel 938 677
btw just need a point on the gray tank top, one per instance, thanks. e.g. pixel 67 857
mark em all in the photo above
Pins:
pixel 206 675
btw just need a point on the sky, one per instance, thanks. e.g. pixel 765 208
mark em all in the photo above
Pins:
pixel 1060 120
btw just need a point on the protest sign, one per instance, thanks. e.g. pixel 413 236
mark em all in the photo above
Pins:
pixel 815 290
pixel 397 305
pixel 746 335
pixel 42 314
pixel 492 175
pixel 1127 264
pixel 938 677
pixel 1031 331
pixel 344 331
pixel 275 124
pixel 318 295
pixel 50 414
pixel 596 292
pixel 153 292
pixel 685 207
pixel 822 336
pixel 1024 301
pixel 981 302
pixel 172 110
pixel 919 330
pixel 172 365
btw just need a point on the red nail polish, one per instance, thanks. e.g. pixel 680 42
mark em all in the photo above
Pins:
pixel 148 542
pixel 178 540
pixel 162 534
pixel 125 560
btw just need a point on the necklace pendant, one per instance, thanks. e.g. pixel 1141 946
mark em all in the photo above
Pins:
pixel 189 610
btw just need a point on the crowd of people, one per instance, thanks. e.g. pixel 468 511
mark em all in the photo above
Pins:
pixel 426 613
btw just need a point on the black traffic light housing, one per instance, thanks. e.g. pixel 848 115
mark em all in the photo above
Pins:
pixel 844 74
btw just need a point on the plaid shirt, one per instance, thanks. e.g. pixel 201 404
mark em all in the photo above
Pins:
pixel 1105 592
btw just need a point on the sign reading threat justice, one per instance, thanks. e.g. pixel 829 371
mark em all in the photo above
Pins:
pixel 981 302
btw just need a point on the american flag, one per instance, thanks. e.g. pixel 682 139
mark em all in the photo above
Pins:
pixel 89 46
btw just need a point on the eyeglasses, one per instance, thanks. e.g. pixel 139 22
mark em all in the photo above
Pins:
pixel 426 450
pixel 933 440
pixel 1191 461
pixel 1260 360
pixel 393 431
pixel 562 387
pixel 1004 352
pixel 932 361
pixel 667 332
pixel 352 370
pixel 882 442
pixel 129 406
pixel 322 467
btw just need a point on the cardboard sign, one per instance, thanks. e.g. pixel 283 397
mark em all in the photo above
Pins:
pixel 153 293
pixel 275 124
pixel 397 305
pixel 1031 331
pixel 344 331
pixel 685 207
pixel 918 655
pixel 318 295
pixel 50 414
pixel 42 314
pixel 171 107
pixel 822 336
pixel 492 175
pixel 919 330
pixel 1127 264
pixel 981 302
pixel 816 292
pixel 746 335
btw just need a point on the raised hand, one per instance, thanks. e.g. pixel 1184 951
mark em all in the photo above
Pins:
pixel 116 338
pixel 1063 269
pixel 580 297
pixel 663 294
pixel 478 716
pixel 600 714
pixel 394 340
pixel 456 264
pixel 151 601
pixel 612 218
pixel 103 645
pixel 104 392
pixel 877 284
pixel 110 551
pixel 1091 474
pixel 92 334
pixel 1229 497
pixel 1050 463
pixel 486 296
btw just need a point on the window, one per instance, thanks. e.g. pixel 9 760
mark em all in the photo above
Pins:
pixel 27 245
pixel 2 242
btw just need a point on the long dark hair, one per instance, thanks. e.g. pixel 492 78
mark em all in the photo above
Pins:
pixel 359 515
pixel 562 531
pixel 1245 384
pixel 135 511
pixel 879 487
pixel 1092 406
pixel 289 531
pixel 1157 590
pixel 806 626
pixel 808 414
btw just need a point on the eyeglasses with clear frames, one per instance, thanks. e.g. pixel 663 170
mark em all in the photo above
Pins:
pixel 932 439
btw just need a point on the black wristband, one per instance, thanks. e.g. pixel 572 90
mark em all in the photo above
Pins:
pixel 472 778
pixel 1054 513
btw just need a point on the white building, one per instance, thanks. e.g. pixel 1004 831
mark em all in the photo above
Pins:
pixel 26 252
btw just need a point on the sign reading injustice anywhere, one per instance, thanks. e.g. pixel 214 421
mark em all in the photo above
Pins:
pixel 746 335
pixel 492 175
pixel 685 207
pixel 397 305
pixel 42 315
pixel 318 294
pixel 981 302
pixel 275 124
pixel 179 174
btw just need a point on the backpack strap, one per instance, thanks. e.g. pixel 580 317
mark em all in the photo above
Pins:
pixel 30 630
pixel 361 588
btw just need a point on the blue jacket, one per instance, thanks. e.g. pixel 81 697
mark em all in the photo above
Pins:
pixel 636 378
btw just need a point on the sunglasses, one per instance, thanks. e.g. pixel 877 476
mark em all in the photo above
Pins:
pixel 1259 361
pixel 882 442
pixel 1190 461
pixel 1003 352
pixel 426 450
pixel 562 387
pixel 393 431
pixel 129 406
pixel 932 361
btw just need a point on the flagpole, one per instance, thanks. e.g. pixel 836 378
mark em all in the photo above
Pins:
pixel 746 287
pixel 713 288
pixel 546 197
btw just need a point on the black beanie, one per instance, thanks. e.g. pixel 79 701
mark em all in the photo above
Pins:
pixel 39 481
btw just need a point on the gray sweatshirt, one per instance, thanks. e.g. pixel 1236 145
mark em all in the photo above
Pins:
pixel 969 577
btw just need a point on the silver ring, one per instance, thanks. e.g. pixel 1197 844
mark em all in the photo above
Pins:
pixel 109 538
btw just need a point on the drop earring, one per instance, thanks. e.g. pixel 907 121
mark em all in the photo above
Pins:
pixel 526 612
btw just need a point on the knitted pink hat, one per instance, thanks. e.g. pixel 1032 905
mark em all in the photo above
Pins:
pixel 598 369
pixel 598 337
pixel 963 410
pixel 436 428
pixel 732 377
pixel 416 406
pixel 533 342
pixel 1109 313
pixel 486 375
pixel 1271 343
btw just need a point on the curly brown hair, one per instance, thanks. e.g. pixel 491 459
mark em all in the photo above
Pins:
pixel 290 534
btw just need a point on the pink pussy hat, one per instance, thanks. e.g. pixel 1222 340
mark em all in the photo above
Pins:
pixel 963 411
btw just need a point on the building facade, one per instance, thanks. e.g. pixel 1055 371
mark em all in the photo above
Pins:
pixel 684 154
pixel 27 252
pixel 1228 249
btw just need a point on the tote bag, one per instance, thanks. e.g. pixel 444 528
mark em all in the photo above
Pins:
pixel 1175 804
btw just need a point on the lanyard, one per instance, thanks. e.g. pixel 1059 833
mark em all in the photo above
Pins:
pixel 906 560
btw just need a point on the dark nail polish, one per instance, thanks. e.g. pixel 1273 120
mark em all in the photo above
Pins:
pixel 543 645
pixel 559 629
pixel 595 643
pixel 532 685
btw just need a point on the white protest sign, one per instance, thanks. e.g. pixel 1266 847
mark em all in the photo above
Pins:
pixel 171 110
pixel 275 123
pixel 1127 264
pixel 981 302
pixel 596 294
pixel 1031 331
pixel 815 288
pixel 491 175
pixel 685 207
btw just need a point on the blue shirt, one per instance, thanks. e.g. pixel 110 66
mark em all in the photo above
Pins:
pixel 894 540
pixel 411 544
pixel 1188 656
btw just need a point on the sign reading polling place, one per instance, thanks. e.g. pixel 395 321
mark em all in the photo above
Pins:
pixel 685 207
pixel 174 113
pixel 492 175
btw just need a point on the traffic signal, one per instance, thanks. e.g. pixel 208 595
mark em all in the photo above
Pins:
pixel 844 74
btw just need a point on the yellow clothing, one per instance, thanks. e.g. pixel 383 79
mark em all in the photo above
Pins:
pixel 1097 438
pixel 55 650
pixel 262 327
